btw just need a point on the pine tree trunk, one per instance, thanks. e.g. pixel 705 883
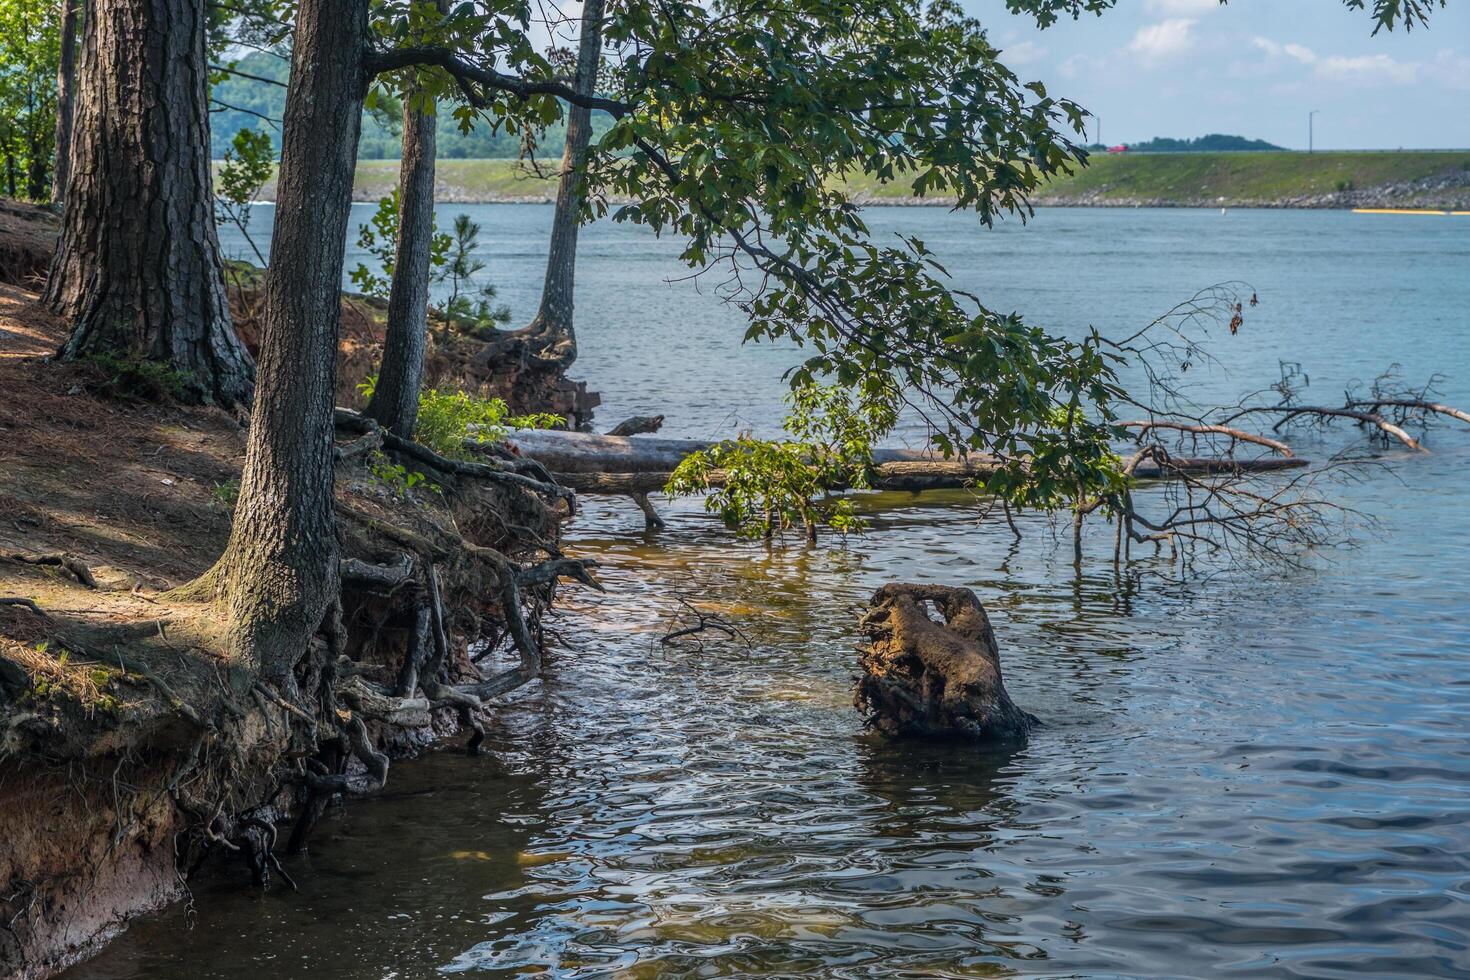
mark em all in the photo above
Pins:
pixel 555 336
pixel 65 74
pixel 395 401
pixel 137 270
pixel 279 573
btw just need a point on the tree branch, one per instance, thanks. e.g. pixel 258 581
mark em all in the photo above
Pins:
pixel 465 73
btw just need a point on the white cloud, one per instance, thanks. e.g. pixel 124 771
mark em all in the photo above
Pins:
pixel 1081 65
pixel 1023 53
pixel 1451 69
pixel 1348 68
pixel 1367 68
pixel 1166 39
pixel 1183 8
pixel 1299 52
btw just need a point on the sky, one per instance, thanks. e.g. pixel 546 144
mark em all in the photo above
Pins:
pixel 1254 68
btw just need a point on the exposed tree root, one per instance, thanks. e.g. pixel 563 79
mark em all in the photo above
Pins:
pixel 352 421
pixel 78 569
pixel 228 753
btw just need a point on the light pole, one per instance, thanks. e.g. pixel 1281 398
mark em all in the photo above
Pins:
pixel 1309 128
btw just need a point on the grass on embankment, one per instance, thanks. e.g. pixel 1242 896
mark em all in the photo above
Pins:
pixel 1328 179
pixel 1260 177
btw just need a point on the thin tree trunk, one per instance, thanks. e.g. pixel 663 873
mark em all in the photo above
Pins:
pixel 65 73
pixel 552 328
pixel 137 270
pixel 395 401
pixel 279 572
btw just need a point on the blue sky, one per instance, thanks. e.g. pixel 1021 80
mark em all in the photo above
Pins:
pixel 1254 68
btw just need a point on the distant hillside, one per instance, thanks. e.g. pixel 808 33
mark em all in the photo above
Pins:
pixel 241 103
pixel 1213 143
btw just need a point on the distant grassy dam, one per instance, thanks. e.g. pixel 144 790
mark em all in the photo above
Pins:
pixel 1403 179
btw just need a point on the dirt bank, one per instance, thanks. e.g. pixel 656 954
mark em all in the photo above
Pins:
pixel 132 748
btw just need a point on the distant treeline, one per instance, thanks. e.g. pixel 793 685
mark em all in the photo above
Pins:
pixel 1213 143
pixel 242 102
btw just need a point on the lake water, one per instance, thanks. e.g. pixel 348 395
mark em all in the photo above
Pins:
pixel 1253 774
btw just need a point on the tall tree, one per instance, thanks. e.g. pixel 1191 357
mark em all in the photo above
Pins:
pixel 29 34
pixel 729 125
pixel 137 271
pixel 65 78
pixel 279 572
pixel 551 333
pixel 395 401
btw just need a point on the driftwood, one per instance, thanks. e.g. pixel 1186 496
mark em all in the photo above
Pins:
pixel 922 677
pixel 637 425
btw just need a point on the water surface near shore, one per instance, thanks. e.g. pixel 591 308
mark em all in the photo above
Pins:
pixel 1254 774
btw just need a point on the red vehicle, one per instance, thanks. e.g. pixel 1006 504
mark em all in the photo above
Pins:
pixel 1120 148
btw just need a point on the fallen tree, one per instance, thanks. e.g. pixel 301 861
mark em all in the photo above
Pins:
pixel 574 457
pixel 593 463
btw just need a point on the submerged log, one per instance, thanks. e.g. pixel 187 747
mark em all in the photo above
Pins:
pixel 592 463
pixel 926 678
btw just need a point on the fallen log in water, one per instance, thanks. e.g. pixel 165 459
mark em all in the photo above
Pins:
pixel 604 464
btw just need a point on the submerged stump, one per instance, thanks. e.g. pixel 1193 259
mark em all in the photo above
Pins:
pixel 928 678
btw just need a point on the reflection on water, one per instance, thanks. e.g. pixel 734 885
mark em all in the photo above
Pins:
pixel 1254 774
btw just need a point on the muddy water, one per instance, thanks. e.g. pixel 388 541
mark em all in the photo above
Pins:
pixel 1249 774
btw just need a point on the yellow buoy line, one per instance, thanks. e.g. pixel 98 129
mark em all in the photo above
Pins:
pixel 1406 211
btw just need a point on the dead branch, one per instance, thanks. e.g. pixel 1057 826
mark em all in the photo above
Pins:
pixel 1411 403
pixel 703 621
pixel 651 519
pixel 1290 412
pixel 1239 435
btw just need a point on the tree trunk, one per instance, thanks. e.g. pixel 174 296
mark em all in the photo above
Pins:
pixel 65 73
pixel 395 402
pixel 552 328
pixel 137 270
pixel 279 572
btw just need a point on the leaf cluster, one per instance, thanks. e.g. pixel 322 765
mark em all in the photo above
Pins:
pixel 761 488
pixel 30 49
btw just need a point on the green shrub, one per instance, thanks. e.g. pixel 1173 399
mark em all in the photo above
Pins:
pixel 448 417
pixel 132 379
pixel 225 495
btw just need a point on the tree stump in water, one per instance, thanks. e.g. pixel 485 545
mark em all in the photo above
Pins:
pixel 922 677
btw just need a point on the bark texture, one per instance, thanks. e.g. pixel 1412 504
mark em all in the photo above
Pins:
pixel 922 677
pixel 553 335
pixel 395 402
pixel 280 569
pixel 137 270
pixel 66 70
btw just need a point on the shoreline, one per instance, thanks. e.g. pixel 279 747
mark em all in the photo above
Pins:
pixel 1454 207
pixel 1438 180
